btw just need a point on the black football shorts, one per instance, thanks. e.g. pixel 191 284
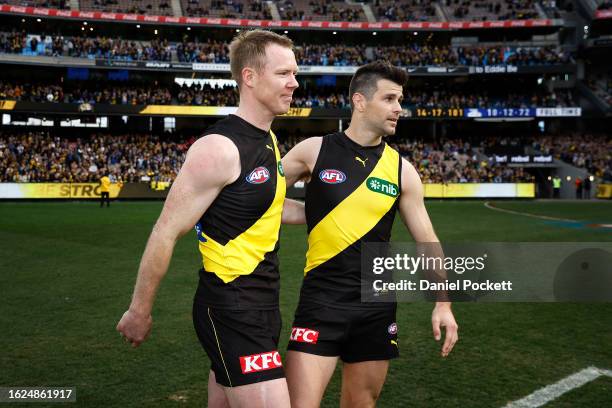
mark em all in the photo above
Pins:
pixel 355 335
pixel 242 344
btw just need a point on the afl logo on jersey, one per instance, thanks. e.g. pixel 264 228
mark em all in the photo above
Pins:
pixel 332 176
pixel 258 176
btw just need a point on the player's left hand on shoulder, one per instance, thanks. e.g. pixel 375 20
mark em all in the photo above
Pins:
pixel 442 316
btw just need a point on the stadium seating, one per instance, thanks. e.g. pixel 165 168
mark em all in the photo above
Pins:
pixel 320 10
pixel 486 10
pixel 411 54
pixel 253 9
pixel 324 10
pixel 55 4
pixel 40 157
pixel 404 10
pixel 156 7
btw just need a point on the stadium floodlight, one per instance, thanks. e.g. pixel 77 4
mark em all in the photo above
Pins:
pixel 334 33
pixel 188 28
pixel 84 22
pixel 137 25
pixel 38 20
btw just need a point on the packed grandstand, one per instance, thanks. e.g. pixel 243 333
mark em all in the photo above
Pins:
pixel 499 91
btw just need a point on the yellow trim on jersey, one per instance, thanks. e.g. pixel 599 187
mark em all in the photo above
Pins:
pixel 241 255
pixel 355 216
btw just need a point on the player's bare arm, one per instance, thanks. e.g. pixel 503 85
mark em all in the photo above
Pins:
pixel 212 162
pixel 293 212
pixel 415 217
pixel 299 161
pixel 298 164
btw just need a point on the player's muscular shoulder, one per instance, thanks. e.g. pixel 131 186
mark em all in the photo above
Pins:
pixel 213 156
pixel 411 181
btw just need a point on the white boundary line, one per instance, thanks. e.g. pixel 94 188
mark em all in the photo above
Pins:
pixel 550 392
pixel 543 217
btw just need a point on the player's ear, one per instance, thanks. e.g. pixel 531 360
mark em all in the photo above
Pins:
pixel 248 76
pixel 359 101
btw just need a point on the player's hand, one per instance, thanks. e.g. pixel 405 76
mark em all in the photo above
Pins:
pixel 135 327
pixel 442 316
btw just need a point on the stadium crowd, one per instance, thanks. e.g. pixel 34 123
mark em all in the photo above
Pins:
pixel 483 10
pixel 208 52
pixel 253 9
pixel 155 7
pixel 329 10
pixel 304 97
pixel 85 47
pixel 40 157
pixel 446 98
pixel 53 4
pixel 456 161
pixel 211 51
pixel 589 151
pixel 427 55
pixel 404 10
pixel 115 95
pixel 207 96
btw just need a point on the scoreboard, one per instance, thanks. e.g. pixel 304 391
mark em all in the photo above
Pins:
pixel 490 112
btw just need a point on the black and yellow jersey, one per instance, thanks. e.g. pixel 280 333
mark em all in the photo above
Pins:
pixel 238 234
pixel 352 198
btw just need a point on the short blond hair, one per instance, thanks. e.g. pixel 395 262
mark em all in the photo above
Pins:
pixel 248 49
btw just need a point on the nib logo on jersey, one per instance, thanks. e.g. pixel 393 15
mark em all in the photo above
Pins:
pixel 260 362
pixel 332 176
pixel 381 186
pixel 258 176
pixel 304 335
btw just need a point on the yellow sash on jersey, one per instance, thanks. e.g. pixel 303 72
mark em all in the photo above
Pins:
pixel 241 255
pixel 355 216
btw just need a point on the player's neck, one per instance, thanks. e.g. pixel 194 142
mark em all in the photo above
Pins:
pixel 254 113
pixel 362 135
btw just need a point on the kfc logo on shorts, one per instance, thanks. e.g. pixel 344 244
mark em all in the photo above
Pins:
pixel 392 328
pixel 332 176
pixel 258 176
pixel 260 362
pixel 304 335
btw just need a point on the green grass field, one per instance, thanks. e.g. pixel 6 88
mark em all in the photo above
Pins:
pixel 67 272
